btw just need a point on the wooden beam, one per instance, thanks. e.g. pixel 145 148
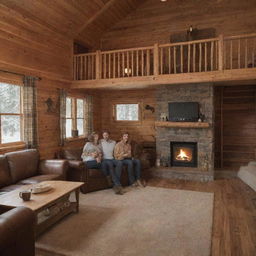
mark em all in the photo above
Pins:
pixel 152 81
pixel 94 17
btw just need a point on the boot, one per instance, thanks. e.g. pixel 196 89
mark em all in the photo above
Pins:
pixel 118 190
pixel 109 181
pixel 141 183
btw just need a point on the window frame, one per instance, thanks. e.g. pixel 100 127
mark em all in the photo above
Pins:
pixel 21 115
pixel 126 122
pixel 74 118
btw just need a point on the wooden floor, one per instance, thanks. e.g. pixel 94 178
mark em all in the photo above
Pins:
pixel 234 225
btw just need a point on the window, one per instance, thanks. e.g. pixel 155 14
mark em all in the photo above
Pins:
pixel 69 117
pixel 74 116
pixel 11 114
pixel 127 112
pixel 80 116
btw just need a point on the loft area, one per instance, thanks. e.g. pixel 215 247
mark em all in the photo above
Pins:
pixel 160 63
pixel 127 127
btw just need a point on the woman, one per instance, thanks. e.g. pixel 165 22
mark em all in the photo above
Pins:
pixel 92 154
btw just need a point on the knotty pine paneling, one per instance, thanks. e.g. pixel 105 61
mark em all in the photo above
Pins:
pixel 235 126
pixel 155 21
pixel 30 47
pixel 143 131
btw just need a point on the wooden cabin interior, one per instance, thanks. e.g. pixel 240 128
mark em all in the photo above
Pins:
pixel 178 77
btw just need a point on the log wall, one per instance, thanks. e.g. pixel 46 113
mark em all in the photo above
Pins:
pixel 144 130
pixel 30 48
pixel 235 126
pixel 155 21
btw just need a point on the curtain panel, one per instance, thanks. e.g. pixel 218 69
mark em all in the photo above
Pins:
pixel 63 98
pixel 30 112
pixel 88 110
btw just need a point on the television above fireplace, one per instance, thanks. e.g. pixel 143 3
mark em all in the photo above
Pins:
pixel 183 111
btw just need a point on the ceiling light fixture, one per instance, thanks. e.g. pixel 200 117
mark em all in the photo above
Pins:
pixel 163 0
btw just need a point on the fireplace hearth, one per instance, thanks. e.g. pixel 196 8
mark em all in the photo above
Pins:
pixel 184 154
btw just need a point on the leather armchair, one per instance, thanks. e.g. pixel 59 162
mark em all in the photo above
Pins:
pixel 17 231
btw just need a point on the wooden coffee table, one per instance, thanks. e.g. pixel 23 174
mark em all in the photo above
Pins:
pixel 49 206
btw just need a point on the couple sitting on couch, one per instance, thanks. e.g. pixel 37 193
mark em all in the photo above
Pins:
pixel 110 157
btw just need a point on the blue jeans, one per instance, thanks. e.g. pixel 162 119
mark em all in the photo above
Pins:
pixel 133 168
pixel 93 164
pixel 113 168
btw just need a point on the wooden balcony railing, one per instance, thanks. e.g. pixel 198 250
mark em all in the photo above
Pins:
pixel 221 53
pixel 240 51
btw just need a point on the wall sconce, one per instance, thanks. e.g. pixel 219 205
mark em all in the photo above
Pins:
pixel 148 107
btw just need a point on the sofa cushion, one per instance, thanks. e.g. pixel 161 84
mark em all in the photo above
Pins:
pixel 95 173
pixel 23 164
pixel 39 178
pixel 5 176
pixel 72 153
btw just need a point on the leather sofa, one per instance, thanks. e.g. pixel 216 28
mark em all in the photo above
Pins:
pixel 24 167
pixel 17 231
pixel 93 178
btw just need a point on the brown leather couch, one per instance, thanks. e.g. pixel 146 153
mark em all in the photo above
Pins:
pixel 94 179
pixel 17 231
pixel 24 167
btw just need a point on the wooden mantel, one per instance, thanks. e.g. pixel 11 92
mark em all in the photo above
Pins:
pixel 182 124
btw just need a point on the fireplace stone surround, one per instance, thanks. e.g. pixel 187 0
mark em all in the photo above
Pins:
pixel 203 94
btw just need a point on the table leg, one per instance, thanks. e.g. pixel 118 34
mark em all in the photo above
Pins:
pixel 77 199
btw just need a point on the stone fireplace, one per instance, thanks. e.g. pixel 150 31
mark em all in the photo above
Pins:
pixel 196 160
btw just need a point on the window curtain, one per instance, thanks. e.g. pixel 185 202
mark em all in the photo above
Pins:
pixel 29 112
pixel 88 110
pixel 63 97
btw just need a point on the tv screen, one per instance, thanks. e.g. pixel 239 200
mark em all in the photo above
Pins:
pixel 183 111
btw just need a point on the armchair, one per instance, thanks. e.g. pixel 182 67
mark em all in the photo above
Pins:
pixel 17 231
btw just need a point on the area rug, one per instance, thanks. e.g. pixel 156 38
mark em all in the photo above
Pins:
pixel 143 222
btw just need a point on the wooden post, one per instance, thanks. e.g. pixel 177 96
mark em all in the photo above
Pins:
pixel 156 59
pixel 98 64
pixel 221 51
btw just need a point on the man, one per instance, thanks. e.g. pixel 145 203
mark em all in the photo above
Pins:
pixel 123 153
pixel 107 146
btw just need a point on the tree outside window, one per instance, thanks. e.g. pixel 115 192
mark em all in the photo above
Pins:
pixel 11 113
pixel 127 112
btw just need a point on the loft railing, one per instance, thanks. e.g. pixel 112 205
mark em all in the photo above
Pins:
pixel 233 52
pixel 84 66
pixel 240 51
pixel 126 63
pixel 193 56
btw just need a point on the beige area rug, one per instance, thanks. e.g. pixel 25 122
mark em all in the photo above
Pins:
pixel 144 222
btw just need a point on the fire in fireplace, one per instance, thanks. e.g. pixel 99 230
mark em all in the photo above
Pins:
pixel 184 154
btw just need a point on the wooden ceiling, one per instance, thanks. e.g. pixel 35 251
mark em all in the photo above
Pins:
pixel 82 20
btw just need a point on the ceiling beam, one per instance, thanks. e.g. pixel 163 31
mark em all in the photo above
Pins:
pixel 94 17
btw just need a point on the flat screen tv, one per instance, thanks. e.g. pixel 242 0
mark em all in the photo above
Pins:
pixel 183 111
